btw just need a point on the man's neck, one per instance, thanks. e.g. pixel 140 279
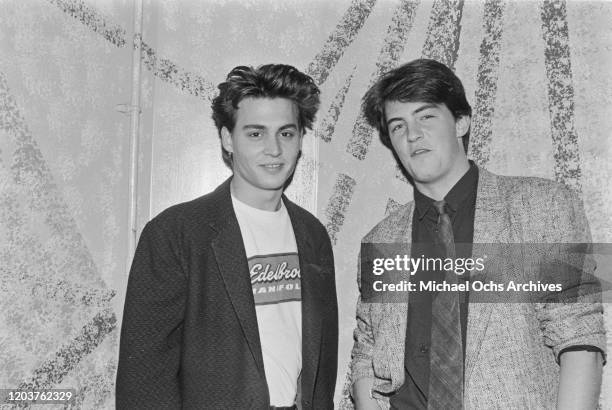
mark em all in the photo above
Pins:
pixel 257 198
pixel 439 189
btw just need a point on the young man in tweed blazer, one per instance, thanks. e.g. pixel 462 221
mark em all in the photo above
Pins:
pixel 231 299
pixel 516 355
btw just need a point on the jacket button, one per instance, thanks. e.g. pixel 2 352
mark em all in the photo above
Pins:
pixel 424 348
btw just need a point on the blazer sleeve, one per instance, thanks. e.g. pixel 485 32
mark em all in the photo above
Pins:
pixel 151 333
pixel 576 317
pixel 363 346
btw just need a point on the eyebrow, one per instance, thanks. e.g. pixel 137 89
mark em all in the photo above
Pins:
pixel 288 126
pixel 390 120
pixel 425 107
pixel 263 127
pixel 253 127
pixel 418 110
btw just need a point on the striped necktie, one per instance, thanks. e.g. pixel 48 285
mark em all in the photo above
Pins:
pixel 446 357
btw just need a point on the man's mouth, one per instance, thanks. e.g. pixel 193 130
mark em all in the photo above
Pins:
pixel 419 152
pixel 272 166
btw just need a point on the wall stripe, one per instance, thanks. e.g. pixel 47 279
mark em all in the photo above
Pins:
pixel 393 46
pixel 343 35
pixel 442 40
pixel 338 205
pixel 560 93
pixel 72 293
pixel 326 130
pixel 162 68
pixel 171 73
pixel 38 276
pixel 392 206
pixel 52 371
pixel 92 19
pixel 30 170
pixel 487 76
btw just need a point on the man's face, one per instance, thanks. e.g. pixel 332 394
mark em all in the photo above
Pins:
pixel 427 140
pixel 265 144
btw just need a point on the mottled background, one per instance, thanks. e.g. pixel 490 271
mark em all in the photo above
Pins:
pixel 536 72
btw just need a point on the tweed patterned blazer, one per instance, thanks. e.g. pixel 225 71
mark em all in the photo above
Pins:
pixel 512 348
pixel 190 338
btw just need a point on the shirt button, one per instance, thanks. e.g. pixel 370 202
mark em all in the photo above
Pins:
pixel 424 348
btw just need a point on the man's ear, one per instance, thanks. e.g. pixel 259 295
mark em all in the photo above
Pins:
pixel 226 140
pixel 462 125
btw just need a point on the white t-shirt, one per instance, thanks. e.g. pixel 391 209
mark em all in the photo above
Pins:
pixel 271 251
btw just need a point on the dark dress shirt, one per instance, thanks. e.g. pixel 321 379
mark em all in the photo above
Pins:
pixel 461 204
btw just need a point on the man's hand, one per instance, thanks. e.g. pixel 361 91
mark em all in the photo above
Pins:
pixel 580 380
pixel 362 395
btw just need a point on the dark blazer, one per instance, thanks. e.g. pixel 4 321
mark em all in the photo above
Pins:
pixel 190 338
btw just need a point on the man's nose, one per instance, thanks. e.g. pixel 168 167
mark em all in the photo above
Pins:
pixel 272 145
pixel 415 132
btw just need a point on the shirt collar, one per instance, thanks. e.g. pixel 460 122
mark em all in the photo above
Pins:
pixel 459 193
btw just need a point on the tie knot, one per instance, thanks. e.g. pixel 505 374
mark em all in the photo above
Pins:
pixel 440 206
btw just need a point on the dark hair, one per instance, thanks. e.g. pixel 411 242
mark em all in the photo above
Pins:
pixel 420 80
pixel 265 81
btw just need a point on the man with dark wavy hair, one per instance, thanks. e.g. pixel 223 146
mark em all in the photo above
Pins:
pixel 430 350
pixel 231 300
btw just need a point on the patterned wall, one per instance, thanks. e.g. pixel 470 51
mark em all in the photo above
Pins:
pixel 62 194
pixel 536 73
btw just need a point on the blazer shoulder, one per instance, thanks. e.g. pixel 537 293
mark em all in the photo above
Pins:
pixel 391 226
pixel 537 189
pixel 547 210
pixel 193 214
pixel 179 212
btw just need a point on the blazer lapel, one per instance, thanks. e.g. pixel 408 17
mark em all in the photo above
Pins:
pixel 491 226
pixel 312 313
pixel 233 267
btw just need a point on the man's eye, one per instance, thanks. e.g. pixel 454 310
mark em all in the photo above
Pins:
pixel 427 116
pixel 255 134
pixel 287 134
pixel 397 127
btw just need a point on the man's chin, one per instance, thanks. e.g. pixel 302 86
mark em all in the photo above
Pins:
pixel 422 177
pixel 277 184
